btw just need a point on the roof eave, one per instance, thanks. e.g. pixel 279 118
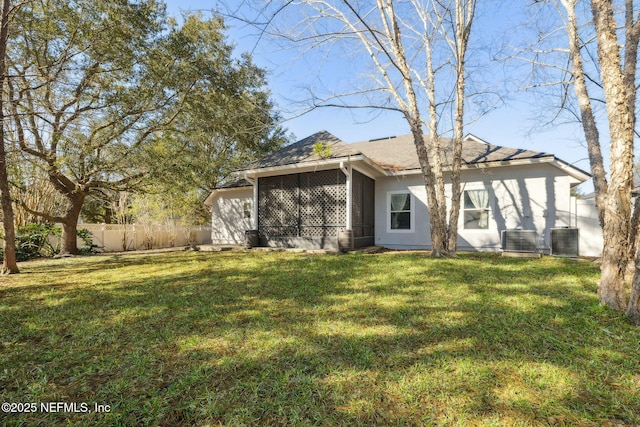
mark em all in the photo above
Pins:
pixel 573 171
pixel 306 166
pixel 578 174
pixel 209 200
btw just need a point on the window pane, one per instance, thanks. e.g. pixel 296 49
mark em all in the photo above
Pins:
pixel 476 199
pixel 476 219
pixel 400 202
pixel 400 220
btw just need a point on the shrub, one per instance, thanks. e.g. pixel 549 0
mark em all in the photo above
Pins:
pixel 33 241
pixel 43 240
pixel 87 239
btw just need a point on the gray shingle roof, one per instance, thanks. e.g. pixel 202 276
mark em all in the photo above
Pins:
pixel 302 151
pixel 399 153
pixel 234 183
pixel 394 153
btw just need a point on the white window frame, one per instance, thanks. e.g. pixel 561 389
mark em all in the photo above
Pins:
pixel 412 212
pixel 487 209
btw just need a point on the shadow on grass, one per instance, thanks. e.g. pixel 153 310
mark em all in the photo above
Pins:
pixel 252 338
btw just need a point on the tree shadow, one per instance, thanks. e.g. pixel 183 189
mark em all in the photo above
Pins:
pixel 280 339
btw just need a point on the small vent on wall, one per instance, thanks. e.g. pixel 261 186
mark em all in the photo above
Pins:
pixel 519 241
pixel 564 242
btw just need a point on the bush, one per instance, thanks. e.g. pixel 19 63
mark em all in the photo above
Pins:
pixel 43 240
pixel 33 241
pixel 87 239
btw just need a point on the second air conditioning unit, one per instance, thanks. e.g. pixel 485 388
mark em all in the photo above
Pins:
pixel 565 242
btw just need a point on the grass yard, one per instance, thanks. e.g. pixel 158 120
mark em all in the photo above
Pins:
pixel 255 338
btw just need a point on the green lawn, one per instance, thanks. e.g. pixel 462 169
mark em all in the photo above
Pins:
pixel 255 338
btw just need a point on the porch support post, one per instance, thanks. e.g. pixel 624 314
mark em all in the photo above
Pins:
pixel 254 182
pixel 345 238
pixel 255 204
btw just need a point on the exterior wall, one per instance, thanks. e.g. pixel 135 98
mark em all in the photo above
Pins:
pixel 591 242
pixel 531 197
pixel 228 220
pixel 418 236
pixel 528 197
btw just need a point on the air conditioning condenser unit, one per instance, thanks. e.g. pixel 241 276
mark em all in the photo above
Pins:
pixel 565 242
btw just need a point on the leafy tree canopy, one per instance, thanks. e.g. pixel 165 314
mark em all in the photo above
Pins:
pixel 114 95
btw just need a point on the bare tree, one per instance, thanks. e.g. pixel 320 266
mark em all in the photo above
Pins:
pixel 616 62
pixel 618 81
pixel 403 43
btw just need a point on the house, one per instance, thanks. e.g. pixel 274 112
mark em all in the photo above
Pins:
pixel 373 193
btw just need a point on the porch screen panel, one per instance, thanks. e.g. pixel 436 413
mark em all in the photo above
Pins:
pixel 289 206
pixel 307 205
pixel 269 207
pixel 363 205
pixel 356 203
pixel 322 203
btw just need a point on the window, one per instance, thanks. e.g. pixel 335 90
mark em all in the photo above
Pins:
pixel 476 209
pixel 246 210
pixel 400 211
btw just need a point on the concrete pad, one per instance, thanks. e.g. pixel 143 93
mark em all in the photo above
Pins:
pixel 521 254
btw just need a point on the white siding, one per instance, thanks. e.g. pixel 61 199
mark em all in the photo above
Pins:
pixel 529 197
pixel 401 239
pixel 591 241
pixel 227 216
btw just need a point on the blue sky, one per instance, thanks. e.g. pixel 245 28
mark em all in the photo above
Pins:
pixel 513 125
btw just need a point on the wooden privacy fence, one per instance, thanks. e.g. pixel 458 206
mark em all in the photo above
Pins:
pixel 133 237
pixel 130 237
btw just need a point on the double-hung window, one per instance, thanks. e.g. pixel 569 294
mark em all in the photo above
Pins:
pixel 400 211
pixel 476 209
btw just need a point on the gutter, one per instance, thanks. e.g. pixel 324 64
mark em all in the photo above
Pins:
pixel 314 164
pixel 573 171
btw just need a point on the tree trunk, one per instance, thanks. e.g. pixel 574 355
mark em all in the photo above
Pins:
pixel 438 239
pixel 589 126
pixel 429 153
pixel 617 209
pixel 435 194
pixel 70 224
pixel 464 19
pixel 9 264
pixel 632 28
pixel 633 308
pixel 69 239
